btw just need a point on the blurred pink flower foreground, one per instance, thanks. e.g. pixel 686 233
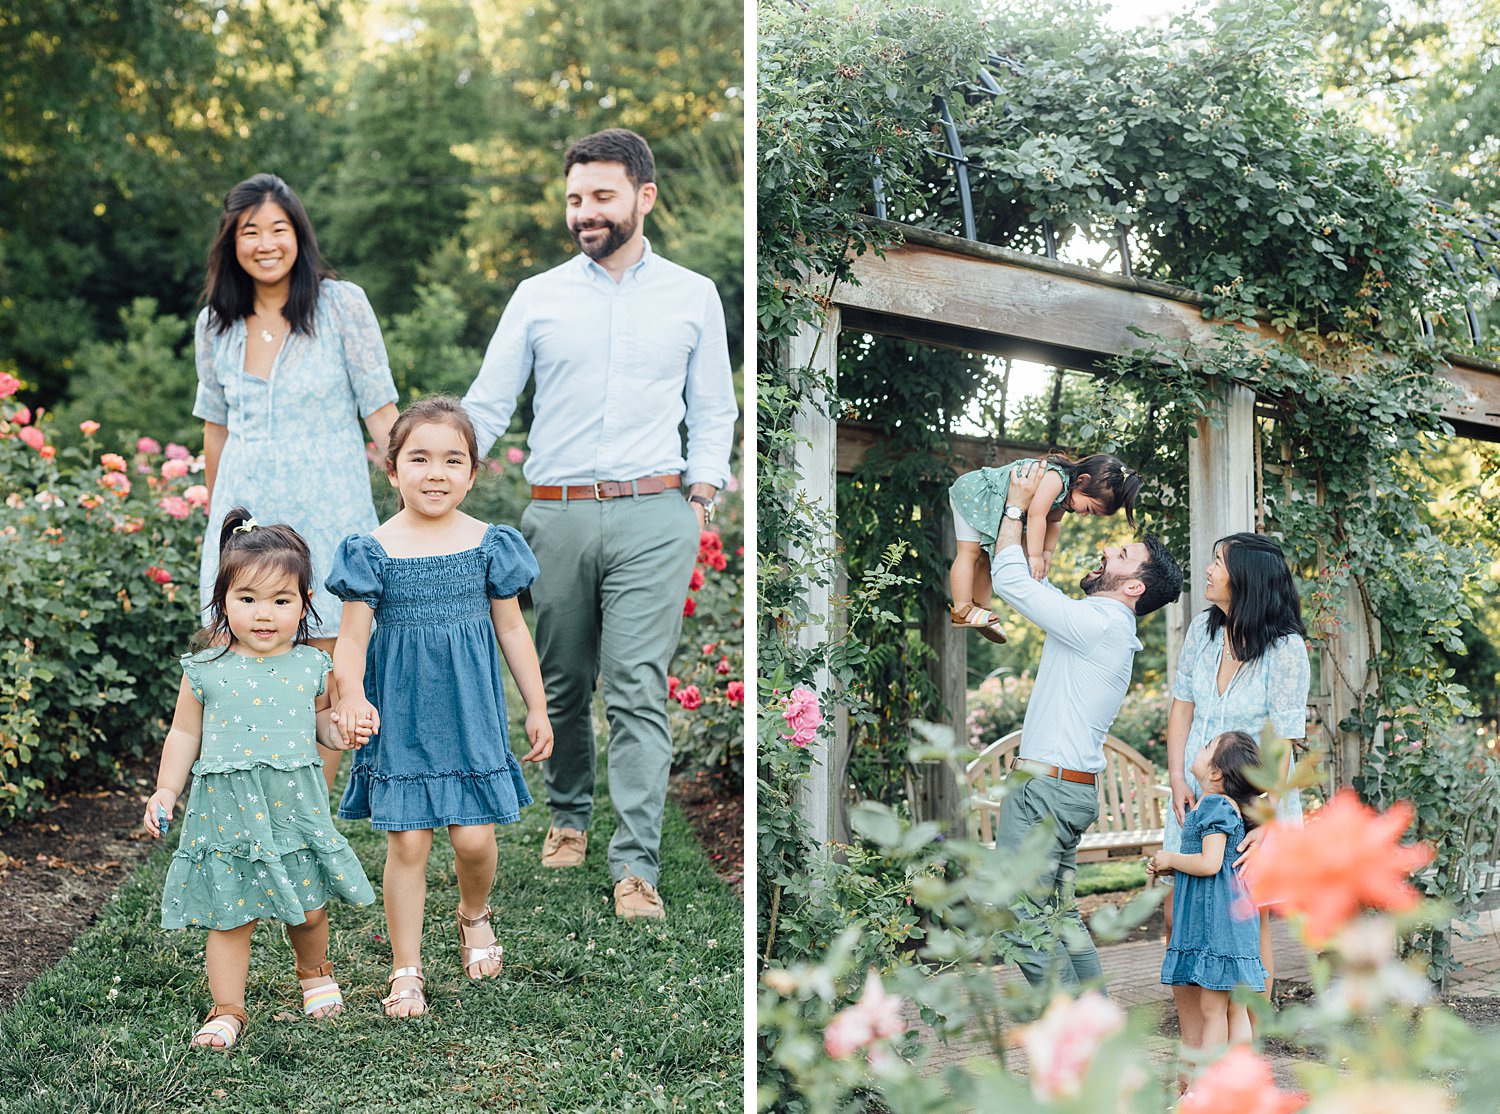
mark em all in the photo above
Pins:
pixel 1241 1082
pixel 1061 1044
pixel 876 1016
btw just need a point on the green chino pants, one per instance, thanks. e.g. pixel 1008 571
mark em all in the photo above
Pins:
pixel 1069 809
pixel 614 577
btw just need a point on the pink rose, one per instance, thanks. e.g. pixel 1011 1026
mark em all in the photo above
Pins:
pixel 515 456
pixel 722 669
pixel 177 452
pixel 47 452
pixel 89 427
pixel 1061 1044
pixel 9 384
pixel 1241 1081
pixel 696 580
pixel 176 506
pixel 33 437
pixel 734 692
pixel 159 574
pixel 803 716
pixel 197 495
pixel 112 462
pixel 22 416
pixel 672 683
pixel 689 697
pixel 148 445
pixel 130 526
pixel 709 647
pixel 117 482
pixel 174 468
pixel 689 606
pixel 876 1016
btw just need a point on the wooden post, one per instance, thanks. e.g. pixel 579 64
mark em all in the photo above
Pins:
pixel 935 791
pixel 1350 646
pixel 817 348
pixel 1221 484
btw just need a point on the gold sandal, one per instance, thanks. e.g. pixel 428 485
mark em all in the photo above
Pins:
pixel 974 617
pixel 217 1024
pixel 410 994
pixel 471 956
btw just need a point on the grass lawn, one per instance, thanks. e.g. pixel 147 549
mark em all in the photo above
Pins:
pixel 1105 878
pixel 590 1014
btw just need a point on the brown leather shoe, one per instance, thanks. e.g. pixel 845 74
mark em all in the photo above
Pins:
pixel 564 847
pixel 636 898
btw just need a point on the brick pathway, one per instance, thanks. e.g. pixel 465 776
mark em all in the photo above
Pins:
pixel 1133 974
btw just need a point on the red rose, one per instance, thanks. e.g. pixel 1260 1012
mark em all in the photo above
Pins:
pixel 690 697
pixel 734 692
pixel 672 683
pixel 689 606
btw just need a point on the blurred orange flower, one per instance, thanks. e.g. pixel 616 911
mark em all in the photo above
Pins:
pixel 1241 1082
pixel 1347 858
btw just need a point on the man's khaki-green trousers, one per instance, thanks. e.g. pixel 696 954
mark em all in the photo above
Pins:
pixel 609 602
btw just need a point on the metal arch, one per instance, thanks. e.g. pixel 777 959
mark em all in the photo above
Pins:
pixel 960 164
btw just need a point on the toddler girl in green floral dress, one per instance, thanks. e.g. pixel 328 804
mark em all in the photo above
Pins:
pixel 257 838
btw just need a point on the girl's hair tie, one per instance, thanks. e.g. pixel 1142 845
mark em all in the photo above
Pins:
pixel 246 526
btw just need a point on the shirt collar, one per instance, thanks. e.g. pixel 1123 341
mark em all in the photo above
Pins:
pixel 593 269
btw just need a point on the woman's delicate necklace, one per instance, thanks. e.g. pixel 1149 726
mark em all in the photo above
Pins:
pixel 267 336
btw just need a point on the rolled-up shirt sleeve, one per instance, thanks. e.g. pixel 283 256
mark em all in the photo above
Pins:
pixel 1073 621
pixel 507 365
pixel 709 394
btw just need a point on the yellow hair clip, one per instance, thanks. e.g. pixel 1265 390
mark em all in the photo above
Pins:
pixel 246 527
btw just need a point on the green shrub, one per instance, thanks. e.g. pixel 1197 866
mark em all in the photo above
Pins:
pixel 998 707
pixel 98 574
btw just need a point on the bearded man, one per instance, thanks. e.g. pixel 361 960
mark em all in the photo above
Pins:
pixel 1081 681
pixel 625 347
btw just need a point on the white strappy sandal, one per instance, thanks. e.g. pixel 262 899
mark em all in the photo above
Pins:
pixel 974 617
pixel 224 1022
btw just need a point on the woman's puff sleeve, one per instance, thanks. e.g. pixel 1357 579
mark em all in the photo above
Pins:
pixel 1286 690
pixel 356 571
pixel 365 360
pixel 512 567
pixel 211 404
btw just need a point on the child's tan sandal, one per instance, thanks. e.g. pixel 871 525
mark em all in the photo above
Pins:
pixel 327 997
pixel 974 617
pixel 472 956
pixel 410 994
pixel 224 1022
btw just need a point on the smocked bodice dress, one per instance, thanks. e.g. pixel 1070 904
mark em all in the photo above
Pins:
pixel 442 754
pixel 295 452
pixel 1215 928
pixel 257 836
pixel 979 496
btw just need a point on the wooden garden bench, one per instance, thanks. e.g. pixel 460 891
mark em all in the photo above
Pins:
pixel 1131 803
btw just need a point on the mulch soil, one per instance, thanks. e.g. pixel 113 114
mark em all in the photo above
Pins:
pixel 57 869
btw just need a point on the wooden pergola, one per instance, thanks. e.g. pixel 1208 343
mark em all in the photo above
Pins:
pixel 956 293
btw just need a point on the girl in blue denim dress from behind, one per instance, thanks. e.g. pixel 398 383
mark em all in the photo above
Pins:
pixel 1215 941
pixel 439 588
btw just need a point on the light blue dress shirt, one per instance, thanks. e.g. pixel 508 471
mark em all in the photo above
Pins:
pixel 619 367
pixel 1085 668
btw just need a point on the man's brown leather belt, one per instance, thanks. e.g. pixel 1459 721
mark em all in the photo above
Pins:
pixel 608 489
pixel 1045 770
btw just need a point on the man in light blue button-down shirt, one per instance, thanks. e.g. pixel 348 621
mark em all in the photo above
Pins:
pixel 1080 683
pixel 625 348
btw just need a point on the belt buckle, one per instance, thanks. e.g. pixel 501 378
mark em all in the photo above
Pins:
pixel 599 495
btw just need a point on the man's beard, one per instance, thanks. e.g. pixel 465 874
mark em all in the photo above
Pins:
pixel 1095 582
pixel 619 234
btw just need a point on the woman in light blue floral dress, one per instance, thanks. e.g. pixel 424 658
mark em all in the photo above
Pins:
pixel 1243 664
pixel 289 361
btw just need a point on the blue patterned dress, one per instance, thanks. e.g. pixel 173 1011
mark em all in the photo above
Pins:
pixel 295 452
pixel 257 838
pixel 1215 930
pixel 442 754
pixel 1273 687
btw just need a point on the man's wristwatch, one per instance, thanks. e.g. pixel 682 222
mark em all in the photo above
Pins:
pixel 1013 513
pixel 706 503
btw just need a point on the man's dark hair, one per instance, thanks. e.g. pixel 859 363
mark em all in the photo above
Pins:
pixel 615 145
pixel 1161 576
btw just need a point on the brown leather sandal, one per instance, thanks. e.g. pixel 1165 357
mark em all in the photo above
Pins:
pixel 470 956
pixel 217 1024
pixel 974 617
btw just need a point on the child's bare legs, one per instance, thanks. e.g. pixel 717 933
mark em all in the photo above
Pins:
pixel 1213 1016
pixel 1239 1024
pixel 474 857
pixel 405 883
pixel 227 956
pixel 1189 1014
pixel 984 587
pixel 961 575
pixel 310 945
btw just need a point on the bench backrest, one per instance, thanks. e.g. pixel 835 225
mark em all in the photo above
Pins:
pixel 1128 799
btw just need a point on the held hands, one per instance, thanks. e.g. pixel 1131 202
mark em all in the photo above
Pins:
pixel 353 722
pixel 165 800
pixel 1159 863
pixel 539 731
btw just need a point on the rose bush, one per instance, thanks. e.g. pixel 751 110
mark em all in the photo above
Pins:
pixel 98 597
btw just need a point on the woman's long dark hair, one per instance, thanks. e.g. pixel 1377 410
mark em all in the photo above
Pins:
pixel 1238 753
pixel 229 292
pixel 1105 478
pixel 1263 602
pixel 259 551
